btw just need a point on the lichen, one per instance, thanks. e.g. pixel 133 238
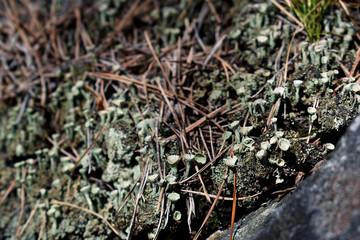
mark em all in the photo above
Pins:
pixel 274 126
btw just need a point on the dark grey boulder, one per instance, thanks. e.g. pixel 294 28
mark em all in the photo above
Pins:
pixel 324 206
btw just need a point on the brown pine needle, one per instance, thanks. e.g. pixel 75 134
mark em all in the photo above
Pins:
pixel 30 217
pixel 202 120
pixel 159 63
pixel 287 13
pixel 8 191
pixel 214 50
pixel 212 206
pixel 288 54
pixel 203 185
pixel 128 195
pixel 206 165
pixel 221 197
pixel 348 14
pixel 356 63
pixel 204 142
pixel 233 207
pixel 144 176
pixel 186 101
pixel 43 223
pixel 22 209
pixel 168 103
pixel 213 10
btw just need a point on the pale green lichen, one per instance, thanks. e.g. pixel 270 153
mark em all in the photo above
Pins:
pixel 266 153
pixel 200 158
pixel 284 144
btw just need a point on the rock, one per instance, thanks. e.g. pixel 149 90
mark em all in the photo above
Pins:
pixel 324 206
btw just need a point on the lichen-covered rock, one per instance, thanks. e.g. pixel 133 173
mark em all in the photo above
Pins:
pixel 324 206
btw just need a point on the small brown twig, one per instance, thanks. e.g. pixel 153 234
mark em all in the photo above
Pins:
pixel 204 143
pixel 43 223
pixel 8 191
pixel 139 194
pixel 221 197
pixel 206 165
pixel 213 10
pixel 287 13
pixel 348 14
pixel 233 206
pixel 128 195
pixel 29 219
pixel 21 210
pixel 356 63
pixel 202 120
pixel 212 206
pixel 158 148
pixel 214 49
pixel 203 185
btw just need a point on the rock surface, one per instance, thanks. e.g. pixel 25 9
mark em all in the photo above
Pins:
pixel 324 206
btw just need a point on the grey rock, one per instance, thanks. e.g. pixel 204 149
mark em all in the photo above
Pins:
pixel 324 206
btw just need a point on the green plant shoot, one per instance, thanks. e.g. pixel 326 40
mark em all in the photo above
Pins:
pixel 311 14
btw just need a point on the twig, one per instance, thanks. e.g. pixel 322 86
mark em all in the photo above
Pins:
pixel 290 23
pixel 139 194
pixel 203 185
pixel 183 100
pixel 160 219
pixel 287 13
pixel 288 54
pixel 77 183
pixel 204 142
pixel 348 14
pixel 168 103
pixel 61 149
pixel 211 142
pixel 159 63
pixel 214 49
pixel 22 108
pixel 213 205
pixel 356 63
pixel 105 103
pixel 30 217
pixel 8 191
pixel 125 21
pixel 158 148
pixel 213 10
pixel 278 57
pixel 43 223
pixel 21 210
pixel 206 165
pixel 343 67
pixel 221 197
pixel 128 195
pixel 201 120
pixel 233 207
